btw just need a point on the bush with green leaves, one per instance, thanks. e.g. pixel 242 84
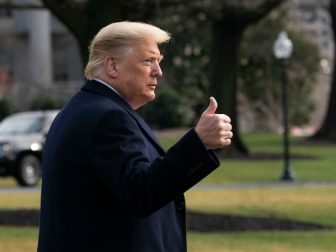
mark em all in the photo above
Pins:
pixel 186 58
pixel 186 67
pixel 46 103
pixel 168 110
pixel 7 107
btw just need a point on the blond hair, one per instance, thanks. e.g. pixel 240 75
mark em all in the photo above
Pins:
pixel 116 38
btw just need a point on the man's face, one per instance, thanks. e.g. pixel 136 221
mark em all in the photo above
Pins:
pixel 138 71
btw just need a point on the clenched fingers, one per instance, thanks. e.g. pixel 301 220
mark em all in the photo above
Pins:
pixel 214 130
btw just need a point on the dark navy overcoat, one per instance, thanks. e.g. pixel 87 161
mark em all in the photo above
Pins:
pixel 108 186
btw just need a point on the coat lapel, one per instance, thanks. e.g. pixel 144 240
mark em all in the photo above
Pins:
pixel 98 88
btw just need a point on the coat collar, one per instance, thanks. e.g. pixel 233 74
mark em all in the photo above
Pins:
pixel 95 87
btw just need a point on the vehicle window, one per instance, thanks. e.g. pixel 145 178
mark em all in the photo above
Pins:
pixel 24 124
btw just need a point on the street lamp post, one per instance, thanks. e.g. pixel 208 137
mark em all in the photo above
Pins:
pixel 283 49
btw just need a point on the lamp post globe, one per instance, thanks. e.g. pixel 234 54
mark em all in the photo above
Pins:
pixel 283 48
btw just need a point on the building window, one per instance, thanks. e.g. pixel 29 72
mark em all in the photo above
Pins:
pixel 5 13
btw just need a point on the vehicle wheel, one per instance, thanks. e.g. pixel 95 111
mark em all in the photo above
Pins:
pixel 29 171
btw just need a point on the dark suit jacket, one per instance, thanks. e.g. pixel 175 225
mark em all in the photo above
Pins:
pixel 107 183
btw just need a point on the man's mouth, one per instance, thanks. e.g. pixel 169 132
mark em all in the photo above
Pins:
pixel 153 86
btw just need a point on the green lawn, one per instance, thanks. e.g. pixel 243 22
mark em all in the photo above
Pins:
pixel 308 204
pixel 316 204
pixel 28 200
pixel 24 240
pixel 14 239
pixel 262 242
pixel 7 182
pixel 299 203
pixel 321 168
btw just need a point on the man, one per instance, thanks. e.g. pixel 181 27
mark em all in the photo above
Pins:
pixel 107 183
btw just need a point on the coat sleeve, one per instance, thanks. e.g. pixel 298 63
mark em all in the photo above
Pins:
pixel 120 160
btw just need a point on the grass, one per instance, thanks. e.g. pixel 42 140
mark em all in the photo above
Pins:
pixel 309 204
pixel 19 239
pixel 263 242
pixel 303 203
pixel 24 240
pixel 231 171
pixel 7 182
pixel 27 200
pixel 14 239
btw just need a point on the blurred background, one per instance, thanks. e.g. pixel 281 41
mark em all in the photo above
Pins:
pixel 43 49
pixel 274 190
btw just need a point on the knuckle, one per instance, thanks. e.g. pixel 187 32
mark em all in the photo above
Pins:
pixel 227 119
pixel 218 119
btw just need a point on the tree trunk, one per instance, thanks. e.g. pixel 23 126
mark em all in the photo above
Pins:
pixel 223 66
pixel 327 130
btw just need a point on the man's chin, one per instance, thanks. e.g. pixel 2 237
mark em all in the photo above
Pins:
pixel 148 99
pixel 151 96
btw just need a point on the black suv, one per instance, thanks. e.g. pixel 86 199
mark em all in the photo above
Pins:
pixel 22 137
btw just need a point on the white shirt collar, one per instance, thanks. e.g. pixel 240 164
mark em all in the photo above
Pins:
pixel 108 85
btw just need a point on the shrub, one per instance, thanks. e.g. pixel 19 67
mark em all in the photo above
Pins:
pixel 7 107
pixel 46 103
pixel 169 109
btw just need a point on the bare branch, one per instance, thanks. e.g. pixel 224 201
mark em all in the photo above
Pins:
pixel 70 13
pixel 266 7
pixel 242 12
pixel 169 3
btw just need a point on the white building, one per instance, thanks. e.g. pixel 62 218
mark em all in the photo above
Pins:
pixel 39 54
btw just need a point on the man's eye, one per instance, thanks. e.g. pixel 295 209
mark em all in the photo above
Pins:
pixel 148 62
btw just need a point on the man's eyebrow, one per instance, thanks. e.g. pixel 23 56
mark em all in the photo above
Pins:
pixel 160 57
pixel 155 52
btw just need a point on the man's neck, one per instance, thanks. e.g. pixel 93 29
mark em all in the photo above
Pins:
pixel 107 84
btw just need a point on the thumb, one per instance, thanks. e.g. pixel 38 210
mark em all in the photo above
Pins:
pixel 211 109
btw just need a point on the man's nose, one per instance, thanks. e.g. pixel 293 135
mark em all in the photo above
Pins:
pixel 157 69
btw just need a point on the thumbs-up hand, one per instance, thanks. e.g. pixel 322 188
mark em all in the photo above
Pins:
pixel 211 109
pixel 214 130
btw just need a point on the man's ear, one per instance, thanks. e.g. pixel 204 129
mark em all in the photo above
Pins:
pixel 111 67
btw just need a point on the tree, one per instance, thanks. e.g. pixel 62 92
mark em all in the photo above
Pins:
pixel 327 131
pixel 84 18
pixel 259 74
pixel 185 62
pixel 229 20
pixel 225 23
